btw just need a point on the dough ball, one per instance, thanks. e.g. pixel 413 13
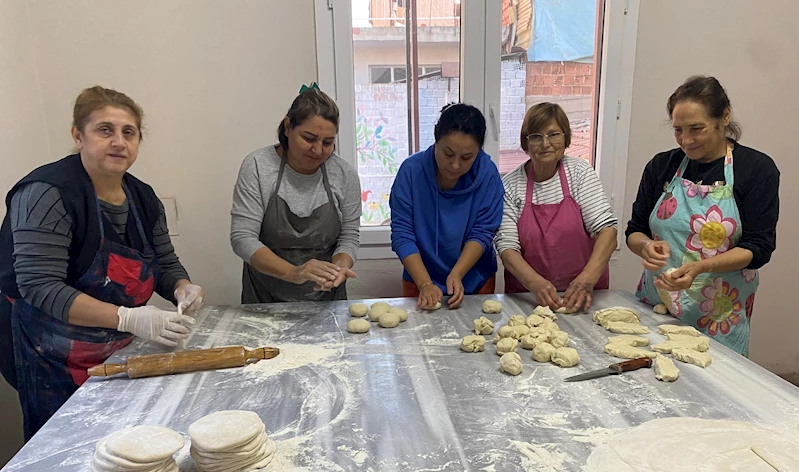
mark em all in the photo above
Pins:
pixel 492 306
pixel 518 331
pixel 403 315
pixel 559 339
pixel 549 325
pixel 358 326
pixel 483 325
pixel 376 311
pixel 505 331
pixel 506 345
pixel 359 309
pixel 389 320
pixel 534 320
pixel 516 320
pixel 510 363
pixel 543 352
pixel 660 309
pixel 473 343
pixel 529 341
pixel 565 357
pixel 545 312
pixel 565 311
pixel 434 307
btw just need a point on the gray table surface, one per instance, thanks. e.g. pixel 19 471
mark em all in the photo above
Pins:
pixel 407 398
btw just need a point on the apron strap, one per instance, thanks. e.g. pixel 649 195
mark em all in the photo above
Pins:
pixel 729 175
pixel 564 184
pixel 326 183
pixel 139 227
pixel 528 199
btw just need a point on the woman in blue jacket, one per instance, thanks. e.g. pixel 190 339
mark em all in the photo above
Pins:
pixel 446 206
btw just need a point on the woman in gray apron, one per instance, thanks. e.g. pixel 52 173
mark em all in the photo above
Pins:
pixel 296 210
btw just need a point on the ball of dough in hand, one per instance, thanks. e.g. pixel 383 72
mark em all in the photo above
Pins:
pixel 434 307
pixel 358 326
pixel 510 363
pixel 506 345
pixel 389 320
pixel 660 309
pixel 359 309
pixel 377 310
pixel 473 343
pixel 565 357
pixel 492 306
pixel 403 315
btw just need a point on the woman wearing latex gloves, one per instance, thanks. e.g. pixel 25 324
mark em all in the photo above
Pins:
pixel 296 213
pixel 707 210
pixel 82 248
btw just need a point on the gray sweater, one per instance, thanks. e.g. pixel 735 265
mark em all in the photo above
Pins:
pixel 303 194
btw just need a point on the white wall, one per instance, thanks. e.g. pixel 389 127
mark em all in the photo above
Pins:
pixel 214 79
pixel 752 51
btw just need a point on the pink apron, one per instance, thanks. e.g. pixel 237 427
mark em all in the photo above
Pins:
pixel 553 239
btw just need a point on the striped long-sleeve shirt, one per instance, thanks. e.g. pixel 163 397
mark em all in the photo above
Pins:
pixel 42 235
pixel 585 187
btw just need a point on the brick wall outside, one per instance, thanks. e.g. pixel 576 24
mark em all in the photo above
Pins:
pixel 559 78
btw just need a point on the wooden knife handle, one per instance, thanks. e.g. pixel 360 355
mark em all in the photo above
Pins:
pixel 632 364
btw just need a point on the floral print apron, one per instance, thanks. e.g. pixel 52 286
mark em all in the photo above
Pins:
pixel 700 221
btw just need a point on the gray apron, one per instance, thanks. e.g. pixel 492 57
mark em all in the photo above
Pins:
pixel 297 240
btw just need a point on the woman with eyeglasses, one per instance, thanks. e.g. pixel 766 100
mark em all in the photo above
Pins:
pixel 705 218
pixel 558 231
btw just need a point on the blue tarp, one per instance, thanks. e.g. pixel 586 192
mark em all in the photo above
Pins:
pixel 563 30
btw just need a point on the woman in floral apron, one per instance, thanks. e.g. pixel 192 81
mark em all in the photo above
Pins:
pixel 709 210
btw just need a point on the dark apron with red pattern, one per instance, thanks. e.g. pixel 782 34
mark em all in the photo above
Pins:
pixel 52 357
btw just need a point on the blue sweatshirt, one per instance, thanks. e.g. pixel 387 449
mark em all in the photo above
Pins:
pixel 437 223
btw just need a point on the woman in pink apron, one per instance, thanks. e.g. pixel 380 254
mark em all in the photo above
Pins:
pixel 709 210
pixel 557 232
pixel 82 249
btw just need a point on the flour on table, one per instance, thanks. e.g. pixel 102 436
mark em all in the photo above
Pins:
pixel 292 356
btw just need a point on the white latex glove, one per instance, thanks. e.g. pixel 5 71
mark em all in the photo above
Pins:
pixel 154 324
pixel 190 299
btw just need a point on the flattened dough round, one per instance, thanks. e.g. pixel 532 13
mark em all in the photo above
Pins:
pixel 492 306
pixel 147 443
pixel 358 326
pixel 359 309
pixel 694 444
pixel 225 430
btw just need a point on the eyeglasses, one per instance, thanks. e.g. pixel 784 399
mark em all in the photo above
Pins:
pixel 537 139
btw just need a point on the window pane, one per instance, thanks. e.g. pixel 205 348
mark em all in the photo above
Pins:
pixel 556 64
pixel 383 137
pixel 380 75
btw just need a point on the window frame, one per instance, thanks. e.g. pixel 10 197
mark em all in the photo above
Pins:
pixel 480 59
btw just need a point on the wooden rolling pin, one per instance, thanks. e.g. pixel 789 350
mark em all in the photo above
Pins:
pixel 185 361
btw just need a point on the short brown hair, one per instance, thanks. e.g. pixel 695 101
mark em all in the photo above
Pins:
pixel 309 103
pixel 541 115
pixel 96 98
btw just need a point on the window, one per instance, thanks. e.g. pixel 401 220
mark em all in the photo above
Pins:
pixel 505 56
pixel 383 74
